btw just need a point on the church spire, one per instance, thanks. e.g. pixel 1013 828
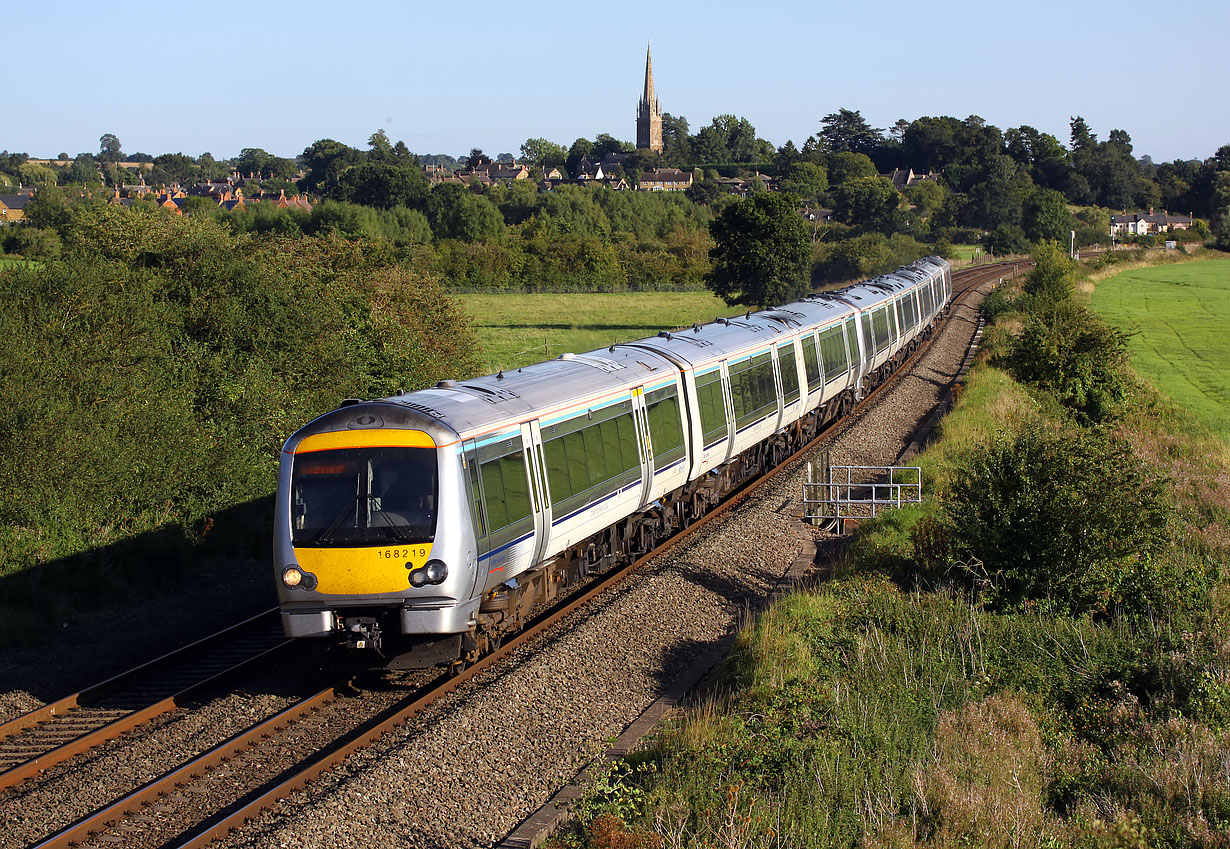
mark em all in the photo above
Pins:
pixel 648 97
pixel 649 112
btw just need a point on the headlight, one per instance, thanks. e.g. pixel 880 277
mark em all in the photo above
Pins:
pixel 293 576
pixel 436 571
pixel 432 572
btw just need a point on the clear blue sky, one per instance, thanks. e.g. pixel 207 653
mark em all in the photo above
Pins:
pixel 278 75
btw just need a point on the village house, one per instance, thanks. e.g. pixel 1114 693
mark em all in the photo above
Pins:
pixel 1140 224
pixel 12 208
pixel 665 180
pixel 903 178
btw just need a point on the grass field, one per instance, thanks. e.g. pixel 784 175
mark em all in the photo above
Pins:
pixel 516 330
pixel 1181 314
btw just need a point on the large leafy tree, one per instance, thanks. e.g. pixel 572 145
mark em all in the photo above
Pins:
pixel 1046 217
pixel 541 153
pixel 762 251
pixel 870 203
pixel 325 160
pixel 848 130
pixel 728 138
pixel 109 149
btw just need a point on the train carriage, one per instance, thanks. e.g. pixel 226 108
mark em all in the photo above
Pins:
pixel 428 524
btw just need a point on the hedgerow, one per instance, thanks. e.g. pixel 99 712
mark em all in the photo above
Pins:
pixel 152 373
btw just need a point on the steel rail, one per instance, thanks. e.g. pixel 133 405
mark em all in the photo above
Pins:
pixel 111 730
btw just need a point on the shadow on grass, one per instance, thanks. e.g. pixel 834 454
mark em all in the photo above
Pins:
pixel 101 611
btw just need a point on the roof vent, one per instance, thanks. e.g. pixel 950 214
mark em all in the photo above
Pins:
pixel 567 355
pixel 350 402
pixel 446 384
pixel 499 375
pixel 664 335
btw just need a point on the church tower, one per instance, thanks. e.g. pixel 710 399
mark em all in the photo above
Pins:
pixel 649 114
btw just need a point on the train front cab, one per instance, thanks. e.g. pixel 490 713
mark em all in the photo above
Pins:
pixel 373 548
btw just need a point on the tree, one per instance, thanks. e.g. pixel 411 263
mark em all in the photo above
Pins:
pixel 48 209
pixel 995 199
pixel 870 203
pixel 383 185
pixel 477 159
pixel 581 149
pixel 83 169
pixel 762 251
pixel 605 143
pixel 927 196
pixel 805 179
pixel 381 147
pixel 1081 136
pixel 540 153
pixel 848 166
pixel 455 212
pixel 728 138
pixel 847 130
pixel 1046 217
pixel 676 143
pixel 109 148
pixel 324 160
pixel 172 168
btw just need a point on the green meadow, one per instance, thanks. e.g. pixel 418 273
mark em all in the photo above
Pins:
pixel 515 330
pixel 1181 317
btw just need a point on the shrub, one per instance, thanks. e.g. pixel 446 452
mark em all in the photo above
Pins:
pixel 1067 350
pixel 152 374
pixel 1071 520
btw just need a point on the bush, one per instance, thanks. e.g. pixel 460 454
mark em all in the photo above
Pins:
pixel 1069 520
pixel 1068 351
pixel 153 373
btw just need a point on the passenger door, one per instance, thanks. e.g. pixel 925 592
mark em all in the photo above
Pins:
pixel 540 495
pixel 641 417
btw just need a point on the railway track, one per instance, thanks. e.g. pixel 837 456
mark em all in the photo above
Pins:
pixel 204 798
pixel 56 732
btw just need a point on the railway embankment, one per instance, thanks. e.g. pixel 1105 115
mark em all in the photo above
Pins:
pixel 1036 655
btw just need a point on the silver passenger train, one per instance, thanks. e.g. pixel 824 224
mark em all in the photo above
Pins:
pixel 427 525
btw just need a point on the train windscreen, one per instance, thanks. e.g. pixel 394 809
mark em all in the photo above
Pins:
pixel 364 496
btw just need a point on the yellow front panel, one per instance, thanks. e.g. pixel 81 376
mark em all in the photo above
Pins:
pixel 363 571
pixel 383 437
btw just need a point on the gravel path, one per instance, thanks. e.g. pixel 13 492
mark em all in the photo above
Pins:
pixel 467 771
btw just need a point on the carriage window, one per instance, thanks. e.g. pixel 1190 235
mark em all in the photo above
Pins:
pixel 712 409
pixel 790 373
pixel 879 323
pixel 811 364
pixel 590 455
pixel 752 392
pixel 833 352
pixel 665 425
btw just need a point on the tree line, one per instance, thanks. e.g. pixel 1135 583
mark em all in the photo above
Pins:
pixel 1003 189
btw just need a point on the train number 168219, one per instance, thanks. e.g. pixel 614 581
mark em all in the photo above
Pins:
pixel 403 553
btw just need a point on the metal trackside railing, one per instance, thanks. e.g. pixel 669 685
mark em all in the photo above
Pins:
pixel 858 492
